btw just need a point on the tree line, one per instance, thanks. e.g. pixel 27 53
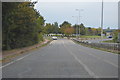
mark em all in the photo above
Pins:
pixel 68 29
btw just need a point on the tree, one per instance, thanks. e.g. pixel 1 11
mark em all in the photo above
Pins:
pixel 51 28
pixel 65 23
pixel 88 31
pixel 115 37
pixel 55 28
pixel 82 29
pixel 63 26
pixel 76 28
pixel 99 31
pixel 7 20
pixel 68 31
pixel 48 28
pixel 40 27
pixel 108 28
pixel 40 23
pixel 20 27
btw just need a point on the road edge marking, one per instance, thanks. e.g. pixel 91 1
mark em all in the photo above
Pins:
pixel 80 62
pixel 14 61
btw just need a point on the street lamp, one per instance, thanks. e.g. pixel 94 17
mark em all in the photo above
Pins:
pixel 76 23
pixel 102 21
pixel 119 22
pixel 79 10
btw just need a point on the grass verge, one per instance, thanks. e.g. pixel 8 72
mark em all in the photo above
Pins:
pixel 90 36
pixel 103 49
pixel 12 56
pixel 109 41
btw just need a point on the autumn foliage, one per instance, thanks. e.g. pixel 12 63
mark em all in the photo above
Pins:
pixel 69 31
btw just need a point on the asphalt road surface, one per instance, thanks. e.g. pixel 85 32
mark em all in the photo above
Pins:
pixel 63 59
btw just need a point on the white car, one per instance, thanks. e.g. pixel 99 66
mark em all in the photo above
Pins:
pixel 54 38
pixel 109 36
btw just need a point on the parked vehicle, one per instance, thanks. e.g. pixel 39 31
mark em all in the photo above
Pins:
pixel 109 36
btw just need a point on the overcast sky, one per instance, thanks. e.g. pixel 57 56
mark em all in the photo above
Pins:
pixel 90 16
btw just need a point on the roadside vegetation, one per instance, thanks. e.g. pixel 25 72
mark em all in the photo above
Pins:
pixel 21 25
pixel 90 36
pixel 100 47
pixel 109 41
pixel 115 38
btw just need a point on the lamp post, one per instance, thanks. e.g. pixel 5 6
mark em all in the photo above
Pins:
pixel 119 22
pixel 102 21
pixel 76 23
pixel 79 10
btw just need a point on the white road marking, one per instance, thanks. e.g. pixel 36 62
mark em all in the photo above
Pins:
pixel 14 61
pixel 101 50
pixel 86 68
pixel 101 58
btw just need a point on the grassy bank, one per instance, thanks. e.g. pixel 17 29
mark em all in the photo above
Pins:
pixel 90 36
pixel 103 49
pixel 109 41
pixel 8 55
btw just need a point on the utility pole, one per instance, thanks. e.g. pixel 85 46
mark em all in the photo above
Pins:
pixel 79 18
pixel 119 22
pixel 78 21
pixel 102 21
pixel 76 24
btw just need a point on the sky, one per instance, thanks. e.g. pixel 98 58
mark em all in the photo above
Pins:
pixel 90 12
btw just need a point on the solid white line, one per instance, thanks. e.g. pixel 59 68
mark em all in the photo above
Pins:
pixel 100 59
pixel 104 60
pixel 14 61
pixel 86 68
pixel 101 50
pixel 7 64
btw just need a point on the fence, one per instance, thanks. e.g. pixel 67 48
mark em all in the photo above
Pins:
pixel 114 47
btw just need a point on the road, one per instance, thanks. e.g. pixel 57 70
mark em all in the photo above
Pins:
pixel 63 59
